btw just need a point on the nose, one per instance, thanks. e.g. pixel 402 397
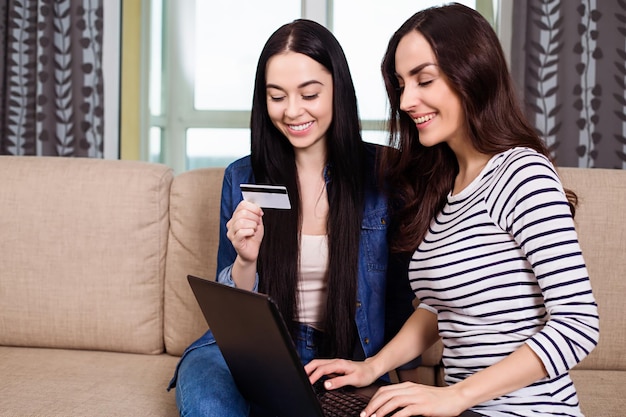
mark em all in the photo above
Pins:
pixel 293 108
pixel 409 98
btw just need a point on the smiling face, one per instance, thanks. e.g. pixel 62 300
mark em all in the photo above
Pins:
pixel 426 95
pixel 299 99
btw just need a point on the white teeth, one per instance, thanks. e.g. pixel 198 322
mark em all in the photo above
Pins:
pixel 424 119
pixel 300 127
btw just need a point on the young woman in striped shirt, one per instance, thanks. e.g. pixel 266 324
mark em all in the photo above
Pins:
pixel 496 262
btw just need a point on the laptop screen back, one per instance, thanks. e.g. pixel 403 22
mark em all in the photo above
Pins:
pixel 257 347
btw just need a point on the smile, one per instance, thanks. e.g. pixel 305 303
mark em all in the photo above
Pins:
pixel 424 119
pixel 300 127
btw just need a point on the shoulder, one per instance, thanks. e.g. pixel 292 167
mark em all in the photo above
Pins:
pixel 241 163
pixel 239 171
pixel 523 165
pixel 372 150
pixel 522 174
pixel 371 154
pixel 525 159
pixel 375 197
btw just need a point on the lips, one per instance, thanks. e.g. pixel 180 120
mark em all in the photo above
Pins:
pixel 424 119
pixel 301 127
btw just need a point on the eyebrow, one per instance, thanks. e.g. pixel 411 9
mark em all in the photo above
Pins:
pixel 418 69
pixel 302 85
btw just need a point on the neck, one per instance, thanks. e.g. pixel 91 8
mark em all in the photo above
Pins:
pixel 307 163
pixel 470 165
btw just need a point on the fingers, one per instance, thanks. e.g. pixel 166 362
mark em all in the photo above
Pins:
pixel 315 368
pixel 247 211
pixel 410 399
pixel 339 381
pixel 339 373
pixel 246 221
pixel 394 400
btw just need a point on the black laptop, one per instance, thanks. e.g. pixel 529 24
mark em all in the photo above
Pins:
pixel 262 358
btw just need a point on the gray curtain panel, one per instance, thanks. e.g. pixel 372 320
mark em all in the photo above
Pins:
pixel 569 62
pixel 51 84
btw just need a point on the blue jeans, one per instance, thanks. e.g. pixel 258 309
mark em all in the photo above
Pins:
pixel 205 386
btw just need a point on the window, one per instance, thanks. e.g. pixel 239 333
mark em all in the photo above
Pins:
pixel 203 58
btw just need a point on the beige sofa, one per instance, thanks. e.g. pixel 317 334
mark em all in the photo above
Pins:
pixel 95 309
pixel 94 305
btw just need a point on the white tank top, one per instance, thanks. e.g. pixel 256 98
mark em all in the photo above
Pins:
pixel 312 285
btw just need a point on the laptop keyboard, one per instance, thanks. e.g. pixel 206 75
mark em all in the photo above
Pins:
pixel 339 403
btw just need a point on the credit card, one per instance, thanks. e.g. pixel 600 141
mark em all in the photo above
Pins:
pixel 266 196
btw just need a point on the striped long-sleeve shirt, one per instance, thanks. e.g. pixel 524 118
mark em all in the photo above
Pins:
pixel 501 266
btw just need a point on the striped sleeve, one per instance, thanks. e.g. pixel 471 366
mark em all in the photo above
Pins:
pixel 528 201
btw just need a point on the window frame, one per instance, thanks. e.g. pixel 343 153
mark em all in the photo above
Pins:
pixel 177 112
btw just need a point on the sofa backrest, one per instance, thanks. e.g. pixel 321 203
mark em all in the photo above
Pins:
pixel 82 253
pixel 602 234
pixel 193 240
pixel 192 249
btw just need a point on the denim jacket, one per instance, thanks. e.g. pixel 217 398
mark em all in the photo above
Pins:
pixel 383 304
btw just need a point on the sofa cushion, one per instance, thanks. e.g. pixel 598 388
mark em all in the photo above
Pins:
pixel 83 253
pixel 602 233
pixel 600 392
pixel 192 249
pixel 57 382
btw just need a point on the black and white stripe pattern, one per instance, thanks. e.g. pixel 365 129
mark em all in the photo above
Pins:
pixel 501 266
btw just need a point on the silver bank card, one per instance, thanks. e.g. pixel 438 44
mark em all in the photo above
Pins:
pixel 266 196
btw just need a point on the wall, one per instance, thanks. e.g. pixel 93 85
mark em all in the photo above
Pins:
pixel 131 67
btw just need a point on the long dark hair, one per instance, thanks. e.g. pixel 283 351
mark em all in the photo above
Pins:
pixel 468 52
pixel 273 162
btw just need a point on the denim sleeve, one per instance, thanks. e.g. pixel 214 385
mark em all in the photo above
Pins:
pixel 234 175
pixel 226 277
pixel 226 254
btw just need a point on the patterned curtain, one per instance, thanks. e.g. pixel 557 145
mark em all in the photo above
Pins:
pixel 569 60
pixel 51 92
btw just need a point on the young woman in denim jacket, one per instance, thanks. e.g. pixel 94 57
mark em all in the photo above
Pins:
pixel 325 261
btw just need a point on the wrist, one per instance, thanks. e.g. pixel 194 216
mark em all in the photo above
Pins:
pixel 465 394
pixel 377 365
pixel 243 264
pixel 243 273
